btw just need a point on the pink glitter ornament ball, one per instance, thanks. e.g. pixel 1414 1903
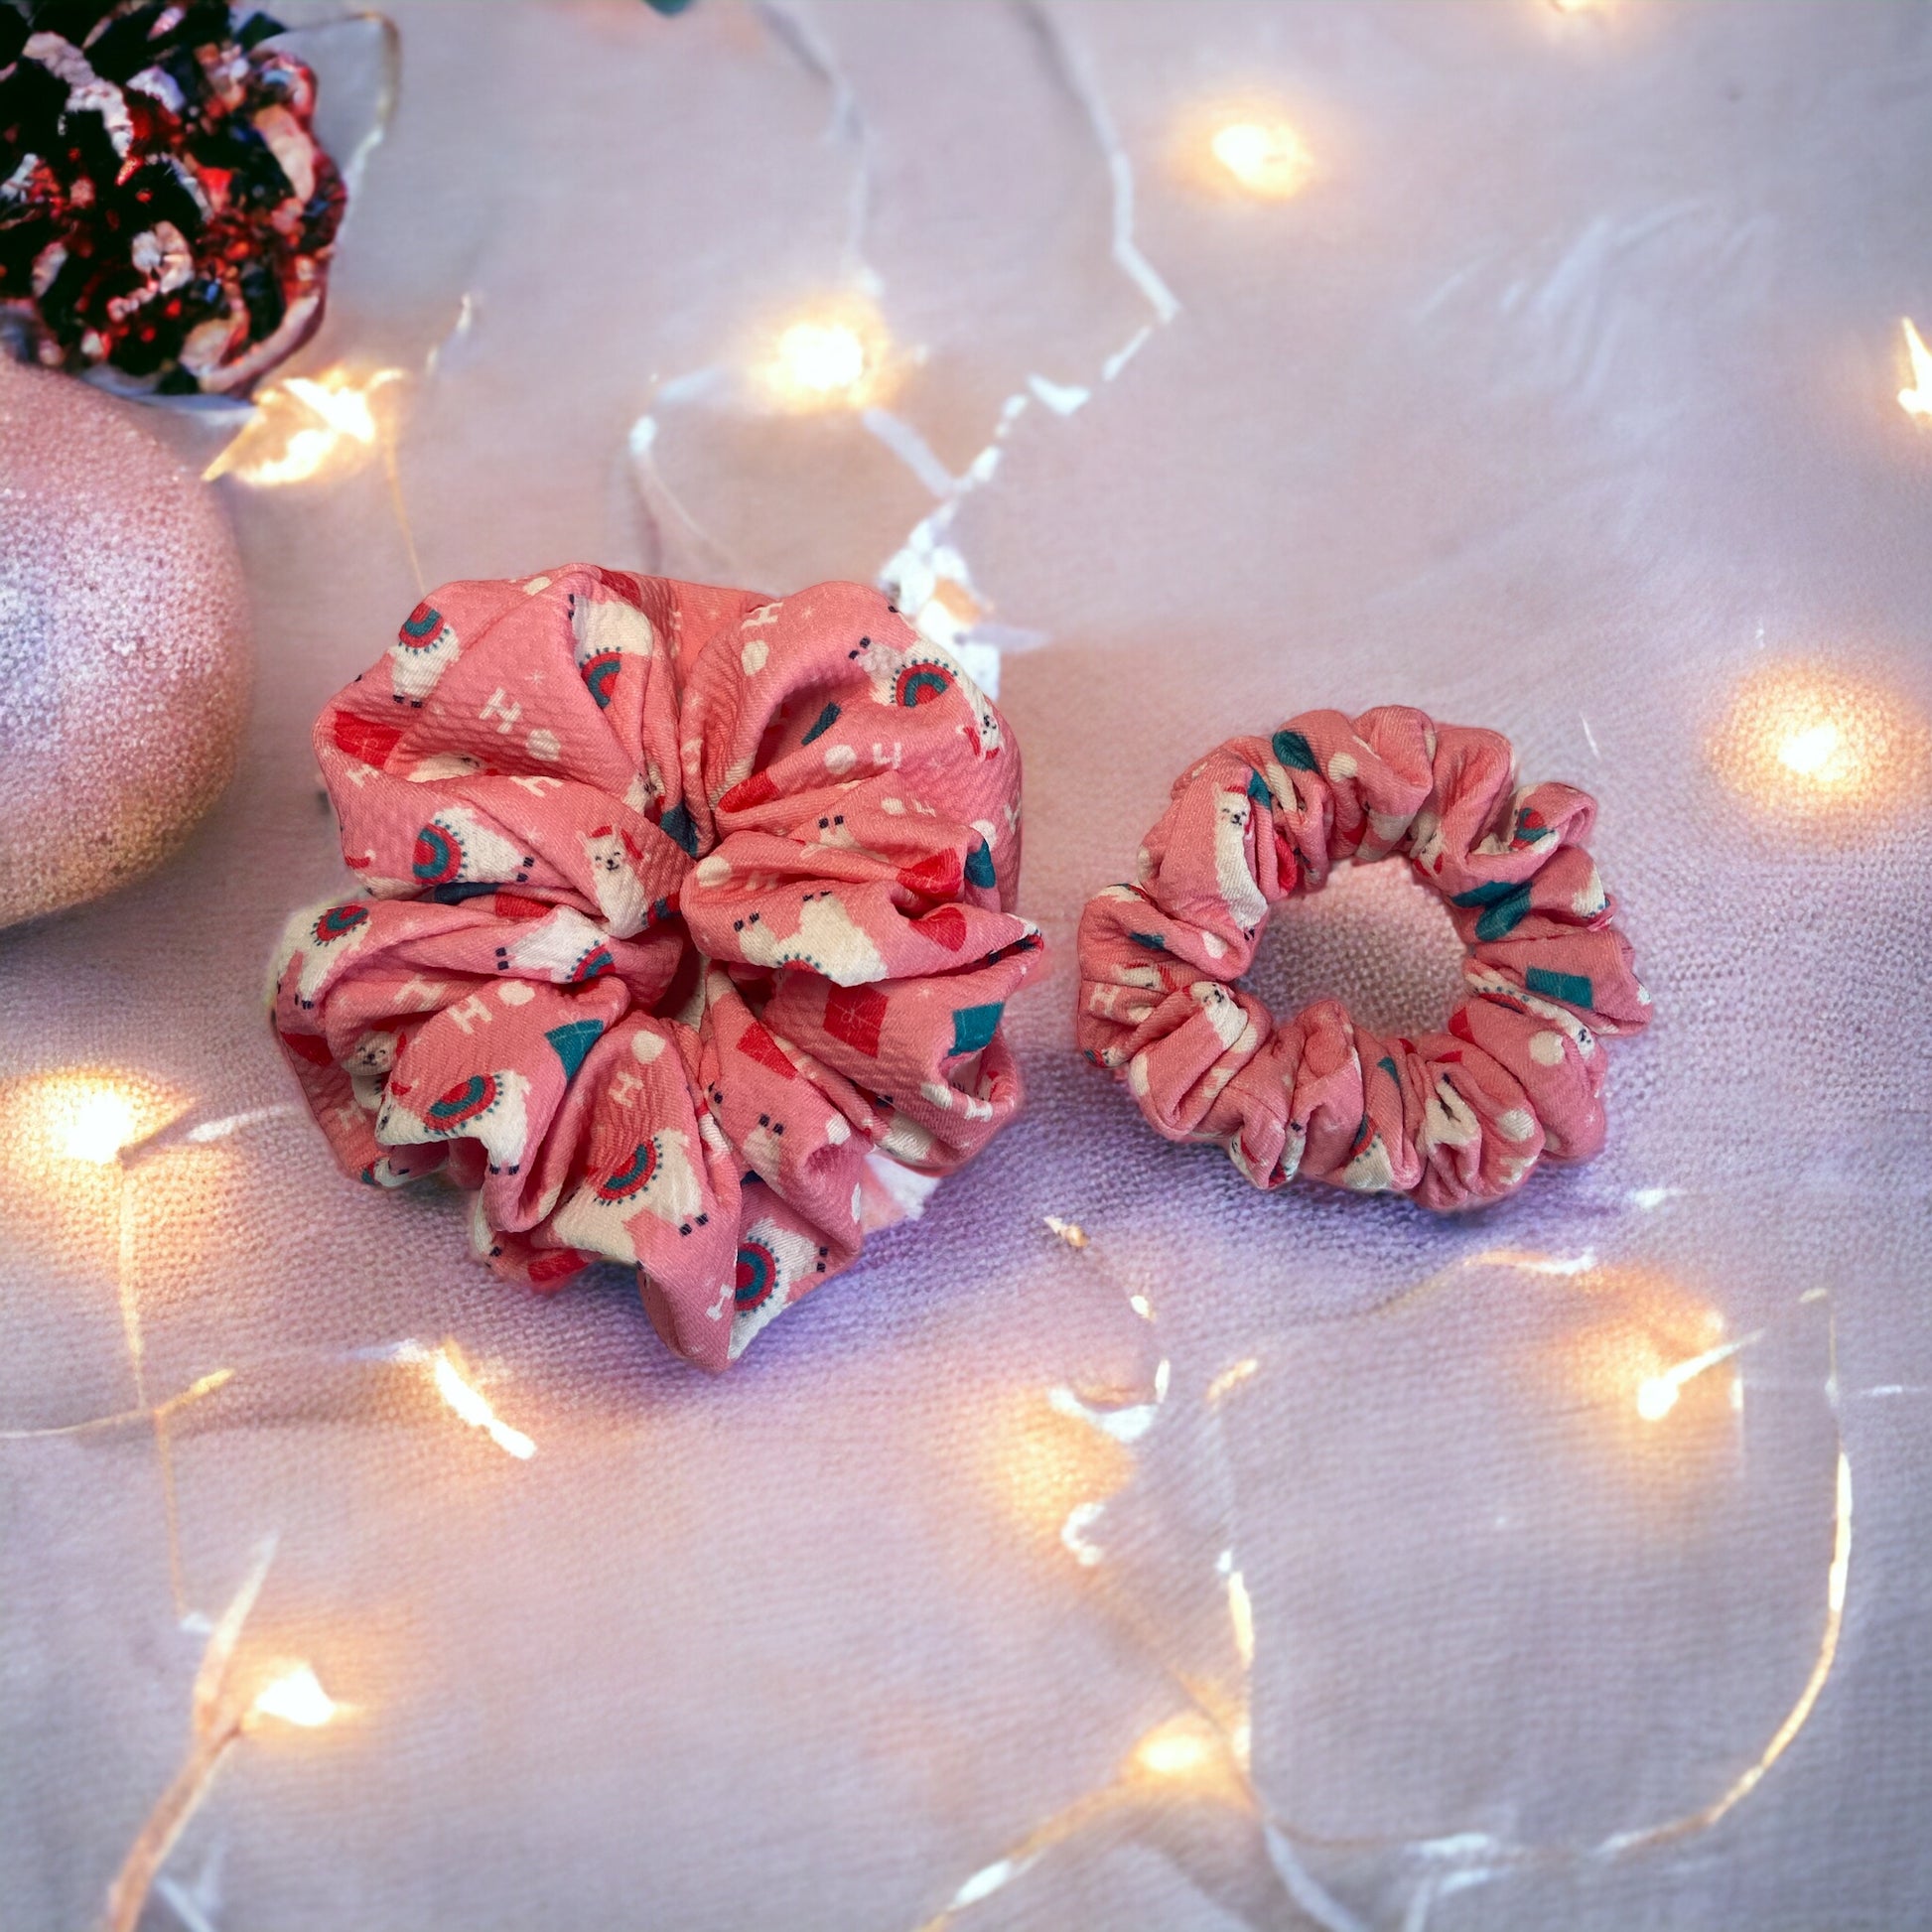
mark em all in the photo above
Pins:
pixel 123 654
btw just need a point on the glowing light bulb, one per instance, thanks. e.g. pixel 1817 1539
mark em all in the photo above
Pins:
pixel 1192 1750
pixel 1053 1473
pixel 1656 1398
pixel 1071 1233
pixel 836 357
pixel 85 1116
pixel 98 1121
pixel 68 1134
pixel 1810 751
pixel 1174 1751
pixel 1916 399
pixel 295 1698
pixel 1266 158
pixel 1806 740
pixel 304 425
pixel 821 357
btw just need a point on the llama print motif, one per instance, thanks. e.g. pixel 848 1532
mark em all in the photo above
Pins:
pixel 923 675
pixel 653 1176
pixel 830 829
pixel 563 947
pixel 907 678
pixel 827 940
pixel 774 1265
pixel 1225 1014
pixel 645 788
pixel 982 733
pixel 605 631
pixel 442 764
pixel 322 938
pixel 367 1066
pixel 486 1107
pixel 1233 875
pixel 1369 1170
pixel 614 878
pixel 456 848
pixel 424 649
pixel 374 1053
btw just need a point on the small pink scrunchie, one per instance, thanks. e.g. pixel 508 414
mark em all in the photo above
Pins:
pixel 1454 1118
pixel 683 932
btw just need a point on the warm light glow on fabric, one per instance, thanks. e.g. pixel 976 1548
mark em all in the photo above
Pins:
pixel 295 1698
pixel 839 356
pixel 471 1405
pixel 304 426
pixel 1263 158
pixel 1806 742
pixel 1813 753
pixel 1054 1473
pixel 1916 397
pixel 1632 1345
pixel 1657 1394
pixel 1172 1752
pixel 100 1124
pixel 85 1116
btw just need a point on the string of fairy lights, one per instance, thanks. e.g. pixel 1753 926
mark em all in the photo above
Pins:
pixel 1805 746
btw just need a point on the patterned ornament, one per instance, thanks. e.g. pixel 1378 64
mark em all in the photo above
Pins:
pixel 165 210
pixel 123 660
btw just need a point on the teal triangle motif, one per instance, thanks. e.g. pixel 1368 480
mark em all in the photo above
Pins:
pixel 1293 749
pixel 1503 916
pixel 1574 989
pixel 573 1040
pixel 973 1027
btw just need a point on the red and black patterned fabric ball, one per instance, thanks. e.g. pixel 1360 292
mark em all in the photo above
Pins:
pixel 166 212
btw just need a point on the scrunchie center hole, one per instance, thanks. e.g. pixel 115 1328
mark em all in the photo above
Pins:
pixel 1373 939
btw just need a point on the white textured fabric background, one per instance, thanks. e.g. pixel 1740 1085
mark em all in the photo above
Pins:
pixel 1562 399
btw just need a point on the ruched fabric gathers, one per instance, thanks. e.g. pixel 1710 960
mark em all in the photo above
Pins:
pixel 683 937
pixel 1454 1118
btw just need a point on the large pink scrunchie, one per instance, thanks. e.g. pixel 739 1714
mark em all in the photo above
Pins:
pixel 1454 1118
pixel 684 930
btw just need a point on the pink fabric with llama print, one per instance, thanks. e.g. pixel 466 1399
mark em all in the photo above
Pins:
pixel 682 931
pixel 1454 1118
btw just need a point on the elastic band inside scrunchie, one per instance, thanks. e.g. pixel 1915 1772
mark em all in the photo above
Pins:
pixel 1454 1118
pixel 684 934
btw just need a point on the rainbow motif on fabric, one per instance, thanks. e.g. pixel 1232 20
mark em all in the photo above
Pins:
pixel 634 1176
pixel 469 1100
pixel 920 684
pixel 757 1277
pixel 420 628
